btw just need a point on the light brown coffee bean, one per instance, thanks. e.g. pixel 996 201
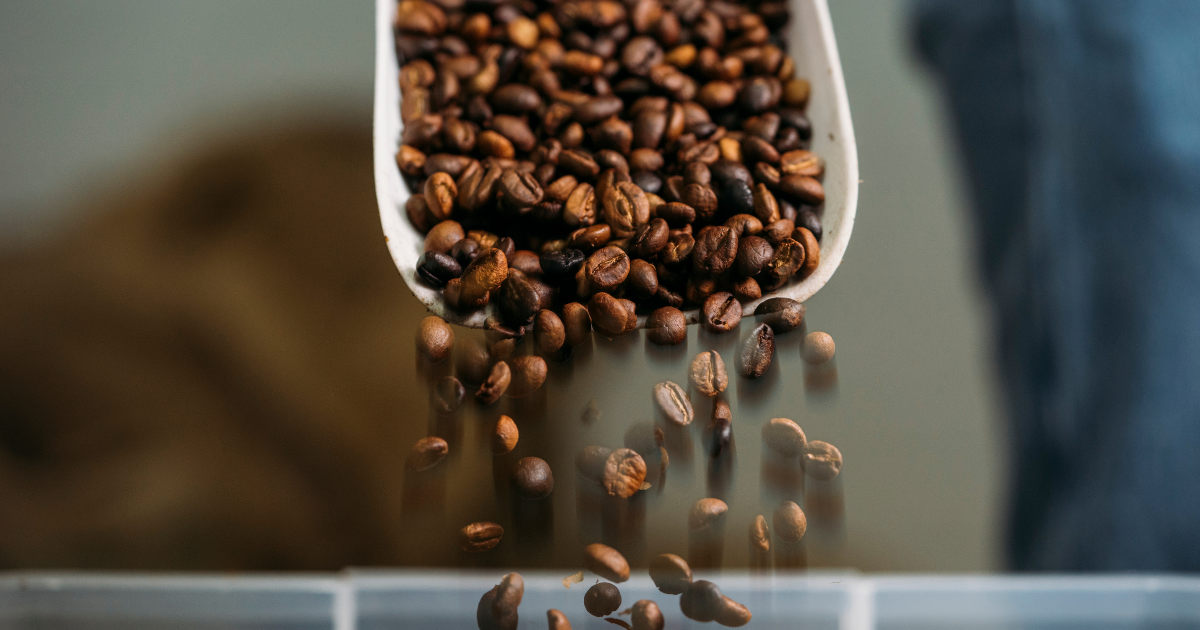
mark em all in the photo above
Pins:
pixel 549 332
pixel 670 573
pixel 720 313
pixel 733 614
pixel 557 620
pixel 504 436
pixel 784 437
pixel 492 143
pixel 443 236
pixel 484 275
pixel 747 290
pixel 435 339
pixel 606 562
pixel 479 537
pixel 803 189
pixel 758 351
pixel 532 478
pixel 578 323
pixel 716 249
pixel 427 453
pixel 495 384
pixel 818 348
pixel 812 251
pixel 580 208
pixel 646 616
pixel 760 537
pixel 418 16
pixel 677 214
pixel 788 257
pixel 589 238
pixel 624 473
pixel 643 280
pixel 666 326
pixel 789 522
pixel 707 373
pixel 528 374
pixel 608 314
pixel 801 162
pixel 706 512
pixel 674 403
pixel 781 314
pixel 822 460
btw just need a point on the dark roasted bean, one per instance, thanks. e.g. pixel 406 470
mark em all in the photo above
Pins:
pixel 602 599
pixel 516 98
pixel 481 536
pixel 719 432
pixel 436 268
pixel 716 249
pixel 753 255
pixel 702 601
pixel 776 232
pixel 578 323
pixel 532 479
pixel 721 312
pixel 670 573
pixel 606 268
pixel 789 255
pixel 562 265
pixel 497 608
pixel 650 238
pixel 646 616
pixel 744 225
pixel 427 453
pixel 738 197
pixel 464 252
pixel 643 279
pixel 781 314
pixel 666 326
pixel 447 396
pixel 677 214
pixel 808 220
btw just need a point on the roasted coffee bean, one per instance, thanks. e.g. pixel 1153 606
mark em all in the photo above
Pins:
pixel 447 164
pixel 549 332
pixel 563 264
pixel 784 437
pixel 706 512
pixel 532 478
pixel 646 616
pixel 789 522
pixel 410 160
pixel 789 255
pixel 808 220
pixel 724 171
pixel 578 323
pixel 607 313
pixel 812 251
pixel 645 159
pixel 747 290
pixel 651 238
pixel 443 236
pixel 733 614
pixel 472 362
pixel 484 275
pixel 707 373
pixel 557 620
pixel 803 189
pixel 677 214
pixel 624 473
pixel 527 262
pixel 492 143
pixel 670 573
pixel 506 246
pixel 720 313
pixel 590 237
pixel 495 384
pixel 702 199
pixel 753 255
pixel 766 174
pixel 718 434
pixel 528 374
pixel 498 607
pixel 447 396
pixel 519 190
pixel 744 225
pixel 504 436
pixel 760 536
pixel 615 138
pixel 822 461
pixel 519 298
pixel 420 132
pixel 765 206
pixel 418 213
pixel 436 268
pixel 603 598
pixel 516 98
pixel 481 536
pixel 716 248
pixel 758 350
pixel 781 314
pixel 590 462
pixel 666 326
pixel 818 348
pixel 702 601
pixel 643 279
pixel 606 562
pixel 427 453
pixel 580 209
pixel 648 182
pixel 606 268
pixel 465 251
pixel 738 197
pixel 435 339
pixel 625 208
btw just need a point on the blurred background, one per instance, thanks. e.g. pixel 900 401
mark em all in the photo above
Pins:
pixel 206 354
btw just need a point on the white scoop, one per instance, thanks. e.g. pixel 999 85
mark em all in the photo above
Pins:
pixel 811 46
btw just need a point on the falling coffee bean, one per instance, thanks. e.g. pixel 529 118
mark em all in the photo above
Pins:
pixel 666 326
pixel 447 396
pixel 481 536
pixel 427 453
pixel 602 599
pixel 702 601
pixel 435 339
pixel 733 614
pixel 674 403
pixel 557 620
pixel 495 384
pixel 670 573
pixel 758 350
pixel 606 562
pixel 528 374
pixel 532 478
pixel 707 373
pixel 784 437
pixel 789 522
pixel 718 435
pixel 781 314
pixel 498 607
pixel 706 512
pixel 504 436
pixel 624 473
pixel 760 536
pixel 822 461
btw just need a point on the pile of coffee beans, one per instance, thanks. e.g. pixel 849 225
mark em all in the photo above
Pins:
pixel 601 159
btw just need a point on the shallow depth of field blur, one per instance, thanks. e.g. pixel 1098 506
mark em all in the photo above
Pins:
pixel 206 350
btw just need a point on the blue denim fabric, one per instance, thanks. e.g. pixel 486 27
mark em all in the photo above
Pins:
pixel 1080 126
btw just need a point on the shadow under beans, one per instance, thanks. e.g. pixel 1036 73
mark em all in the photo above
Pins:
pixel 825 507
pixel 706 546
pixel 533 520
pixel 588 501
pixel 725 343
pixel 790 555
pixel 720 473
pixel 780 478
pixel 623 525
pixel 620 347
pixel 423 504
pixel 754 393
pixel 667 355
pixel 821 382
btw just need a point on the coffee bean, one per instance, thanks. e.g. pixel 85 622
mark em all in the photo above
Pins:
pixel 666 326
pixel 758 350
pixel 784 437
pixel 410 160
pixel 808 220
pixel 822 461
pixel 528 374
pixel 812 251
pixel 744 225
pixel 532 478
pixel 643 280
pixel 492 143
pixel 718 435
pixel 590 462
pixel 645 159
pixel 803 189
pixel 701 601
pixel 436 268
pixel 606 562
pixel 818 348
pixel 497 608
pixel 707 373
pixel 590 237
pixel 747 290
pixel 597 109
pixel 557 620
pixel 606 268
pixel 504 436
pixel 760 537
pixel 418 16
pixel 418 213
pixel 447 396
pixel 580 209
pixel 789 522
pixel 677 214
pixel 435 339
pixel 443 236
pixel 516 98
pixel 578 323
pixel 427 453
pixel 471 362
pixel 738 197
pixel 789 255
pixel 607 313
pixel 767 175
pixel 716 248
pixel 478 537
pixel 674 403
pixel 561 265
pixel 614 137
pixel 646 616
pixel 702 199
pixel 720 313
pixel 706 512
pixel 651 238
pixel 519 190
pixel 753 255
pixel 733 614
pixel 781 314
pixel 549 332
pixel 477 186
pixel 495 384
pixel 724 171
pixel 602 599
pixel 765 206
pixel 447 164
pixel 624 473
pixel 484 275
pixel 465 251
pixel 670 573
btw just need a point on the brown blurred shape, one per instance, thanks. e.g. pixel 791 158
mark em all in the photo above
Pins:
pixel 206 374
